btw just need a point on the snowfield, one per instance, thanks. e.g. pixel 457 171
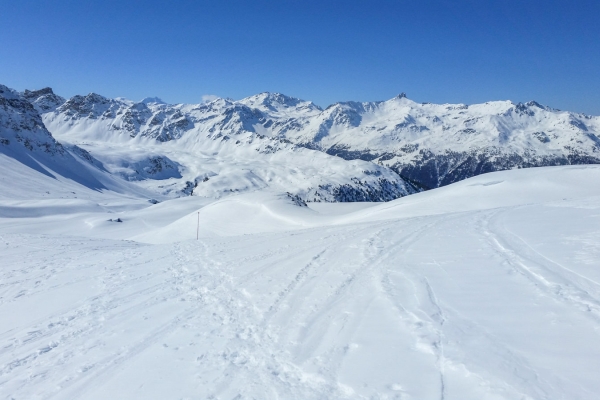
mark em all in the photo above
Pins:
pixel 488 288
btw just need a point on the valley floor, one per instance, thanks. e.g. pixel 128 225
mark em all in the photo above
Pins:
pixel 481 290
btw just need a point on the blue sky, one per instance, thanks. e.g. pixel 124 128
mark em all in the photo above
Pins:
pixel 325 51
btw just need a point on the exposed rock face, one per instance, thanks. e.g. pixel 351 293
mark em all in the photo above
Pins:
pixel 357 190
pixel 24 137
pixel 430 170
pixel 151 119
pixel 44 100
pixel 152 167
pixel 21 124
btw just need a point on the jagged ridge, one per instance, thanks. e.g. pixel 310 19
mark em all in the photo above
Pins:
pixel 427 144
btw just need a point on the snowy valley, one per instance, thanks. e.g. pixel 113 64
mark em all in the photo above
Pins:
pixel 389 250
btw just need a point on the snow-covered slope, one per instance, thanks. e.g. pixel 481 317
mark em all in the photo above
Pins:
pixel 36 167
pixel 24 138
pixel 429 144
pixel 485 289
pixel 434 145
pixel 214 149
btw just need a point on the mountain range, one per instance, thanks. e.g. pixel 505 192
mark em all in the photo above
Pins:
pixel 349 151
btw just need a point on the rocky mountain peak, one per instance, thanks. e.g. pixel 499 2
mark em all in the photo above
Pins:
pixel 44 100
pixel 21 124
pixel 152 100
pixel 29 94
pixel 276 102
pixel 7 93
pixel 91 105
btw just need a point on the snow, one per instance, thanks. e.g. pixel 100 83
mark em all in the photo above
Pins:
pixel 430 144
pixel 484 289
pixel 233 164
pixel 488 288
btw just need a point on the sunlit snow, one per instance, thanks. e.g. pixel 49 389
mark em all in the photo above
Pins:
pixel 485 289
pixel 204 267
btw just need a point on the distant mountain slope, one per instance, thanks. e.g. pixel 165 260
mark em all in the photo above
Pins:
pixel 35 166
pixel 24 138
pixel 434 145
pixel 43 100
pixel 212 149
pixel 429 145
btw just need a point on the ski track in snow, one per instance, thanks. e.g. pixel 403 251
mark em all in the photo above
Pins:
pixel 551 277
pixel 481 304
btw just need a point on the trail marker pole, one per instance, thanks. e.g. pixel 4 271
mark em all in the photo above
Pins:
pixel 198 226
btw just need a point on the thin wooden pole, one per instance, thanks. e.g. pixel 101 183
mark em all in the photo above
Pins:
pixel 198 226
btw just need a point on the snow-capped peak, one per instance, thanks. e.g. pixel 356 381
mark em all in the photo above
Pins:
pixel 277 102
pixel 8 93
pixel 44 100
pixel 152 100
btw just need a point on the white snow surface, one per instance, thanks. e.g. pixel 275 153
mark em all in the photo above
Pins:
pixel 484 289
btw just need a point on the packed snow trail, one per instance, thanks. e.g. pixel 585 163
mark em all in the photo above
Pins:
pixel 487 304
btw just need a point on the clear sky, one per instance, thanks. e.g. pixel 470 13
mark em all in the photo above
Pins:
pixel 324 51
